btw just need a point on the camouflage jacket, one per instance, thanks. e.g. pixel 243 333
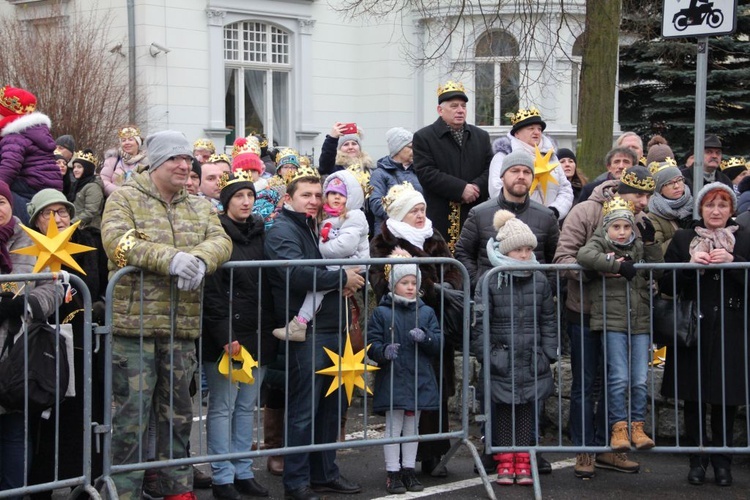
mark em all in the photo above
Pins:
pixel 140 229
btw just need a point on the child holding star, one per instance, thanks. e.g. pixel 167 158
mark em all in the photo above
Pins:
pixel 405 337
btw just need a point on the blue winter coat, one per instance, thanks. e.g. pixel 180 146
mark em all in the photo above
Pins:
pixel 388 174
pixel 390 323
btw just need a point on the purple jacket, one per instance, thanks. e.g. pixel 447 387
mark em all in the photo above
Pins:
pixel 27 153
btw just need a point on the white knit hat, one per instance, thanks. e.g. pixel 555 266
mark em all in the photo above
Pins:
pixel 394 273
pixel 512 233
pixel 400 199
pixel 397 139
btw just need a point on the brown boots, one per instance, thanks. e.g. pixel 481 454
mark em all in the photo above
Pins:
pixel 273 437
pixel 619 441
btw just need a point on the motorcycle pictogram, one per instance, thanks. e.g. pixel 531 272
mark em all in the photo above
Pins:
pixel 695 15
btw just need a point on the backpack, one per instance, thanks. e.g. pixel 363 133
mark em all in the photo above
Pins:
pixel 47 364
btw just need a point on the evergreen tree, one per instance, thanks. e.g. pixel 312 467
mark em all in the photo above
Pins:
pixel 657 81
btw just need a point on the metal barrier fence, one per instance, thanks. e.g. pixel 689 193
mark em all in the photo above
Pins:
pixel 301 403
pixel 721 343
pixel 31 435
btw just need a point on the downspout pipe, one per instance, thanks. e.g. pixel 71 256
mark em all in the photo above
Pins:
pixel 131 60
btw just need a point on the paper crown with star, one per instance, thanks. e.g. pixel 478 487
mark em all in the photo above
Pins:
pixel 86 156
pixel 305 173
pixel 249 144
pixel 206 144
pixel 451 89
pixel 287 156
pixel 617 203
pixel 215 158
pixel 634 178
pixel 655 166
pixel 228 179
pixel 262 139
pixel 129 131
pixel 525 117
pixel 734 161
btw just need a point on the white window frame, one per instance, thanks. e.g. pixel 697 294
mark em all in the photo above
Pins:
pixel 497 62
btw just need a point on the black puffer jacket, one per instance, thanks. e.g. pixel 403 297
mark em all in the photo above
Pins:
pixel 471 249
pixel 247 245
pixel 523 338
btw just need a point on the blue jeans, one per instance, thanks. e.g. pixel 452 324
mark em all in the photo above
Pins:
pixel 587 419
pixel 627 362
pixel 229 422
pixel 312 417
pixel 12 445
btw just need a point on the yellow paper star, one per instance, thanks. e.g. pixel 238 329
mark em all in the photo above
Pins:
pixel 543 172
pixel 347 370
pixel 54 248
pixel 243 374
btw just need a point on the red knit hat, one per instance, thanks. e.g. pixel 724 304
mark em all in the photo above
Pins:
pixel 246 155
pixel 14 103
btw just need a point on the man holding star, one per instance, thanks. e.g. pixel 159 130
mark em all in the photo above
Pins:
pixel 550 186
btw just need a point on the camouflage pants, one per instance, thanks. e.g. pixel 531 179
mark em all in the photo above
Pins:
pixel 157 373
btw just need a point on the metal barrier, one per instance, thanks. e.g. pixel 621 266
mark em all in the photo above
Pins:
pixel 677 277
pixel 175 457
pixel 57 447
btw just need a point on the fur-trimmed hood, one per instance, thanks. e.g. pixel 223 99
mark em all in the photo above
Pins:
pixel 25 122
pixel 355 197
pixel 508 143
pixel 363 159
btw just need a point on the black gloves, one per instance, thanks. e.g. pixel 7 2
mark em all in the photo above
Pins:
pixel 627 270
pixel 647 230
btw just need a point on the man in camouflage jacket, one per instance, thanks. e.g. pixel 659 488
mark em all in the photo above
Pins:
pixel 175 239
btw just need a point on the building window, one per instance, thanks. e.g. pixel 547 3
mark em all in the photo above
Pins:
pixel 575 78
pixel 496 73
pixel 257 78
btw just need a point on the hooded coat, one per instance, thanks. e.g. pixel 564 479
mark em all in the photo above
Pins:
pixel 347 233
pixel 27 154
pixel 390 323
pixel 558 196
pixel 161 229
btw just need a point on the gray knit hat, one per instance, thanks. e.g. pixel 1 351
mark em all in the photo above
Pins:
pixel 663 172
pixel 617 209
pixel 512 233
pixel 394 273
pixel 45 198
pixel 713 186
pixel 397 139
pixel 161 146
pixel 516 158
pixel 349 137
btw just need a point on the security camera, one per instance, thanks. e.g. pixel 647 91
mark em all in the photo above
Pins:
pixel 155 49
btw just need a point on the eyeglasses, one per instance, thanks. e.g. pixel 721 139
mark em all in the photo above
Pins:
pixel 675 182
pixel 63 213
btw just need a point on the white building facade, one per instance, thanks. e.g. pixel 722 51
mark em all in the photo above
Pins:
pixel 291 68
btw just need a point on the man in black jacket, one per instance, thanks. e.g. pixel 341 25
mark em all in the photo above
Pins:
pixel 294 236
pixel 452 161
pixel 711 163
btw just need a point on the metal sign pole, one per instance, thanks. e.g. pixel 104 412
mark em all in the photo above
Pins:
pixel 701 69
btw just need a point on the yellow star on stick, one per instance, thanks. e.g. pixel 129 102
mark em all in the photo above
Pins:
pixel 347 370
pixel 54 248
pixel 543 171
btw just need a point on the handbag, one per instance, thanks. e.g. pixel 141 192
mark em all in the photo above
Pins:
pixel 675 321
pixel 353 326
pixel 453 314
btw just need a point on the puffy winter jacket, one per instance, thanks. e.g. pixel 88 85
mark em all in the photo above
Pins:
pixel 27 153
pixel 388 174
pixel 347 234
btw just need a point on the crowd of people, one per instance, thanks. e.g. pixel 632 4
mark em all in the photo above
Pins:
pixel 179 210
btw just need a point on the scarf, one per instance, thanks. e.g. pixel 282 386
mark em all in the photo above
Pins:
pixel 332 212
pixel 88 177
pixel 398 299
pixel 668 209
pixel 706 239
pixel 625 245
pixel 413 235
pixel 131 160
pixel 498 259
pixel 6 231
pixel 458 135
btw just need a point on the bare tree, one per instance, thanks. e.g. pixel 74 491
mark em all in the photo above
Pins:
pixel 77 73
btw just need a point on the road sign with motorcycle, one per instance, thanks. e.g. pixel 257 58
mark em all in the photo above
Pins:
pixel 689 18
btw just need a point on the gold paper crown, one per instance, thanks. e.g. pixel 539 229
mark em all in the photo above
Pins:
pixel 304 161
pixel 631 179
pixel 14 104
pixel 398 253
pixel 58 151
pixel 262 139
pixel 214 158
pixel 451 86
pixel 617 203
pixel 249 144
pixel 395 192
pixel 284 152
pixel 655 166
pixel 237 176
pixel 89 157
pixel 363 178
pixel 127 132
pixel 205 144
pixel 303 172
pixel 734 161
pixel 523 114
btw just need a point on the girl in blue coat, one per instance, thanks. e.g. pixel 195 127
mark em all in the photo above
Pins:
pixel 405 336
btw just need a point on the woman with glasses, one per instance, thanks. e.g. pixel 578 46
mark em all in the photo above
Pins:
pixel 671 206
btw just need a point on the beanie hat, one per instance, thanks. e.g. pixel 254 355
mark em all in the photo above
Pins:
pixel 5 192
pixel 14 103
pixel 67 142
pixel 663 172
pixel 287 156
pixel 636 179
pixel 230 184
pixel 162 146
pixel 397 138
pixel 196 168
pixel 396 272
pixel 658 153
pixel 400 199
pixel 566 153
pixel 518 157
pixel 512 233
pixel 524 118
pixel 248 161
pixel 733 167
pixel 58 154
pixel 42 200
pixel 617 209
pixel 336 185
pixel 349 137
pixel 712 187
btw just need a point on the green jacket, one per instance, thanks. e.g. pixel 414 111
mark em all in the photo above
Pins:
pixel 89 203
pixel 594 256
pixel 155 231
